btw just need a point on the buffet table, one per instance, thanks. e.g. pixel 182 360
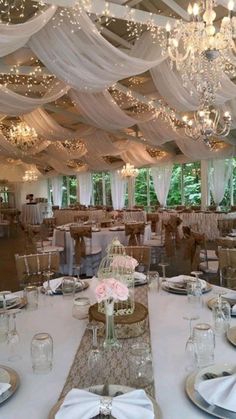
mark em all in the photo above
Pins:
pixel 101 238
pixel 169 332
pixel 206 221
pixel 31 214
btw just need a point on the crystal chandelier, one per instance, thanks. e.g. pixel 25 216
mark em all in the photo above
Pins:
pixel 207 123
pixel 21 136
pixel 128 171
pixel 201 53
pixel 30 176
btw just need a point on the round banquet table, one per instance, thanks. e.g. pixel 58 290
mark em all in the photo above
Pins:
pixel 100 238
pixel 31 214
pixel 38 393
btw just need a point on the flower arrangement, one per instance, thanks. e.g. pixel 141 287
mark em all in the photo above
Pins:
pixel 124 262
pixel 111 289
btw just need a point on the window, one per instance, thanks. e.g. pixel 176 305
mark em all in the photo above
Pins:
pixel 192 183
pixel 102 188
pixel 174 195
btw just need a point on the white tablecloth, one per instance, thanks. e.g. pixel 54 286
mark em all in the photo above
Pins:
pixel 207 222
pixel 169 332
pixel 100 238
pixel 31 214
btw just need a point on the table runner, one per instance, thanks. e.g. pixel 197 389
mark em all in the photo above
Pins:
pixel 116 361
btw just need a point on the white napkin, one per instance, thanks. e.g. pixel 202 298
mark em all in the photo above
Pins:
pixel 185 278
pixel 140 276
pixel 81 404
pixel 219 391
pixel 231 295
pixel 54 283
pixel 4 387
pixel 9 297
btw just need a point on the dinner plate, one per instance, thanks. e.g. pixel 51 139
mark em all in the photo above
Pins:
pixel 10 376
pixel 19 303
pixel 195 397
pixel 231 335
pixel 118 228
pixel 212 301
pixel 182 291
pixel 80 285
pixel 113 389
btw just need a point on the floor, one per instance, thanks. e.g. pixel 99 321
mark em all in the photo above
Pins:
pixel 9 246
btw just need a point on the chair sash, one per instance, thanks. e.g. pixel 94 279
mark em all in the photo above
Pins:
pixel 78 234
pixel 134 231
pixel 172 236
pixel 154 218
pixel 193 242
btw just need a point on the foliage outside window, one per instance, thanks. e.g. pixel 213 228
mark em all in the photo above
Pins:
pixel 98 193
pixel 174 195
pixel 192 183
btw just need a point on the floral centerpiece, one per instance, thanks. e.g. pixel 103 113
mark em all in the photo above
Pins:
pixel 109 291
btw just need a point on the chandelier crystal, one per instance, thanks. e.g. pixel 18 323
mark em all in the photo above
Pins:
pixel 128 171
pixel 21 136
pixel 207 123
pixel 30 176
pixel 202 53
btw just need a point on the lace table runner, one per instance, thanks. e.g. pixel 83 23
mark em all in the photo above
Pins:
pixel 116 362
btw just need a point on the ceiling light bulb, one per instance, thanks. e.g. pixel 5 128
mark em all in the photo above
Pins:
pixel 190 9
pixel 168 27
pixel 195 9
pixel 231 5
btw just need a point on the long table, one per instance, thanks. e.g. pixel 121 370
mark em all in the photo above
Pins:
pixel 169 332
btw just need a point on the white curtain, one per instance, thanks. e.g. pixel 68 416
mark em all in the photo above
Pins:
pixel 161 176
pixel 85 59
pixel 220 172
pixel 57 183
pixel 15 36
pixel 118 190
pixel 85 185
pixel 14 104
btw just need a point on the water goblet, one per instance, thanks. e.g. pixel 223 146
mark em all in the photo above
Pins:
pixel 221 312
pixel 190 358
pixel 95 356
pixel 153 280
pixel 163 266
pixel 48 274
pixel 13 338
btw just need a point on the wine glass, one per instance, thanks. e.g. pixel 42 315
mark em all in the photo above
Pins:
pixel 221 312
pixel 95 356
pixel 189 346
pixel 48 273
pixel 4 301
pixel 163 266
pixel 13 338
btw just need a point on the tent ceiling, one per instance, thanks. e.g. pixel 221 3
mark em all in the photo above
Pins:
pixel 106 148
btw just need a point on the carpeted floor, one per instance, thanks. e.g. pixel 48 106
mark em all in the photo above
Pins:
pixel 9 246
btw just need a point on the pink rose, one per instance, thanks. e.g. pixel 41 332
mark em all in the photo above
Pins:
pixel 101 292
pixel 120 291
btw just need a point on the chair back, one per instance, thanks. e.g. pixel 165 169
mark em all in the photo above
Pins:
pixel 225 225
pixel 141 253
pixel 50 224
pixel 134 231
pixel 81 218
pixel 79 234
pixel 30 268
pixel 154 218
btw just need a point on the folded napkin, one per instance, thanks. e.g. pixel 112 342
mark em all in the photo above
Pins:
pixel 9 297
pixel 4 387
pixel 54 283
pixel 231 295
pixel 185 279
pixel 81 404
pixel 219 391
pixel 140 276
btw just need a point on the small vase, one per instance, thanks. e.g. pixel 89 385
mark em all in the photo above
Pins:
pixel 111 340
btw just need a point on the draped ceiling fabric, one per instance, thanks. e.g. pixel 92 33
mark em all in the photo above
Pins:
pixel 84 183
pixel 118 189
pixel 57 183
pixel 161 176
pixel 219 175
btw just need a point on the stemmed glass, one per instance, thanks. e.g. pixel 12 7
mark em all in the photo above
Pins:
pixel 189 346
pixel 4 301
pixel 48 273
pixel 95 358
pixel 13 338
pixel 163 266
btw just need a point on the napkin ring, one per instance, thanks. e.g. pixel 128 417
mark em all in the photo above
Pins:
pixel 105 406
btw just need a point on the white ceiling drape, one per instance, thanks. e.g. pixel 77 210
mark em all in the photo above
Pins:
pixel 13 37
pixel 87 61
pixel 14 104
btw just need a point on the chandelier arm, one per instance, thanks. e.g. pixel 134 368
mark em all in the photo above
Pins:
pixel 178 58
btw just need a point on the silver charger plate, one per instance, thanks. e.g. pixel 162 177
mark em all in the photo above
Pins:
pixel 195 397
pixel 80 285
pixel 182 291
pixel 8 375
pixel 213 300
pixel 113 389
pixel 231 335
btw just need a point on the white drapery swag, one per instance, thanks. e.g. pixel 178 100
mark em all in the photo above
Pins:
pixel 13 37
pixel 85 59
pixel 219 174
pixel 118 190
pixel 85 187
pixel 161 176
pixel 57 183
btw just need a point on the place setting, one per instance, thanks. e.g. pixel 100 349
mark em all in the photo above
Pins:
pixel 185 284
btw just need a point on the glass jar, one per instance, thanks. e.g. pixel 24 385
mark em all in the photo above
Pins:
pixel 204 343
pixel 140 365
pixel 42 353
pixel 80 308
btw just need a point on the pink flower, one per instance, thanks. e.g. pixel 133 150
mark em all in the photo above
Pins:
pixel 120 291
pixel 101 292
pixel 111 288
pixel 124 262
